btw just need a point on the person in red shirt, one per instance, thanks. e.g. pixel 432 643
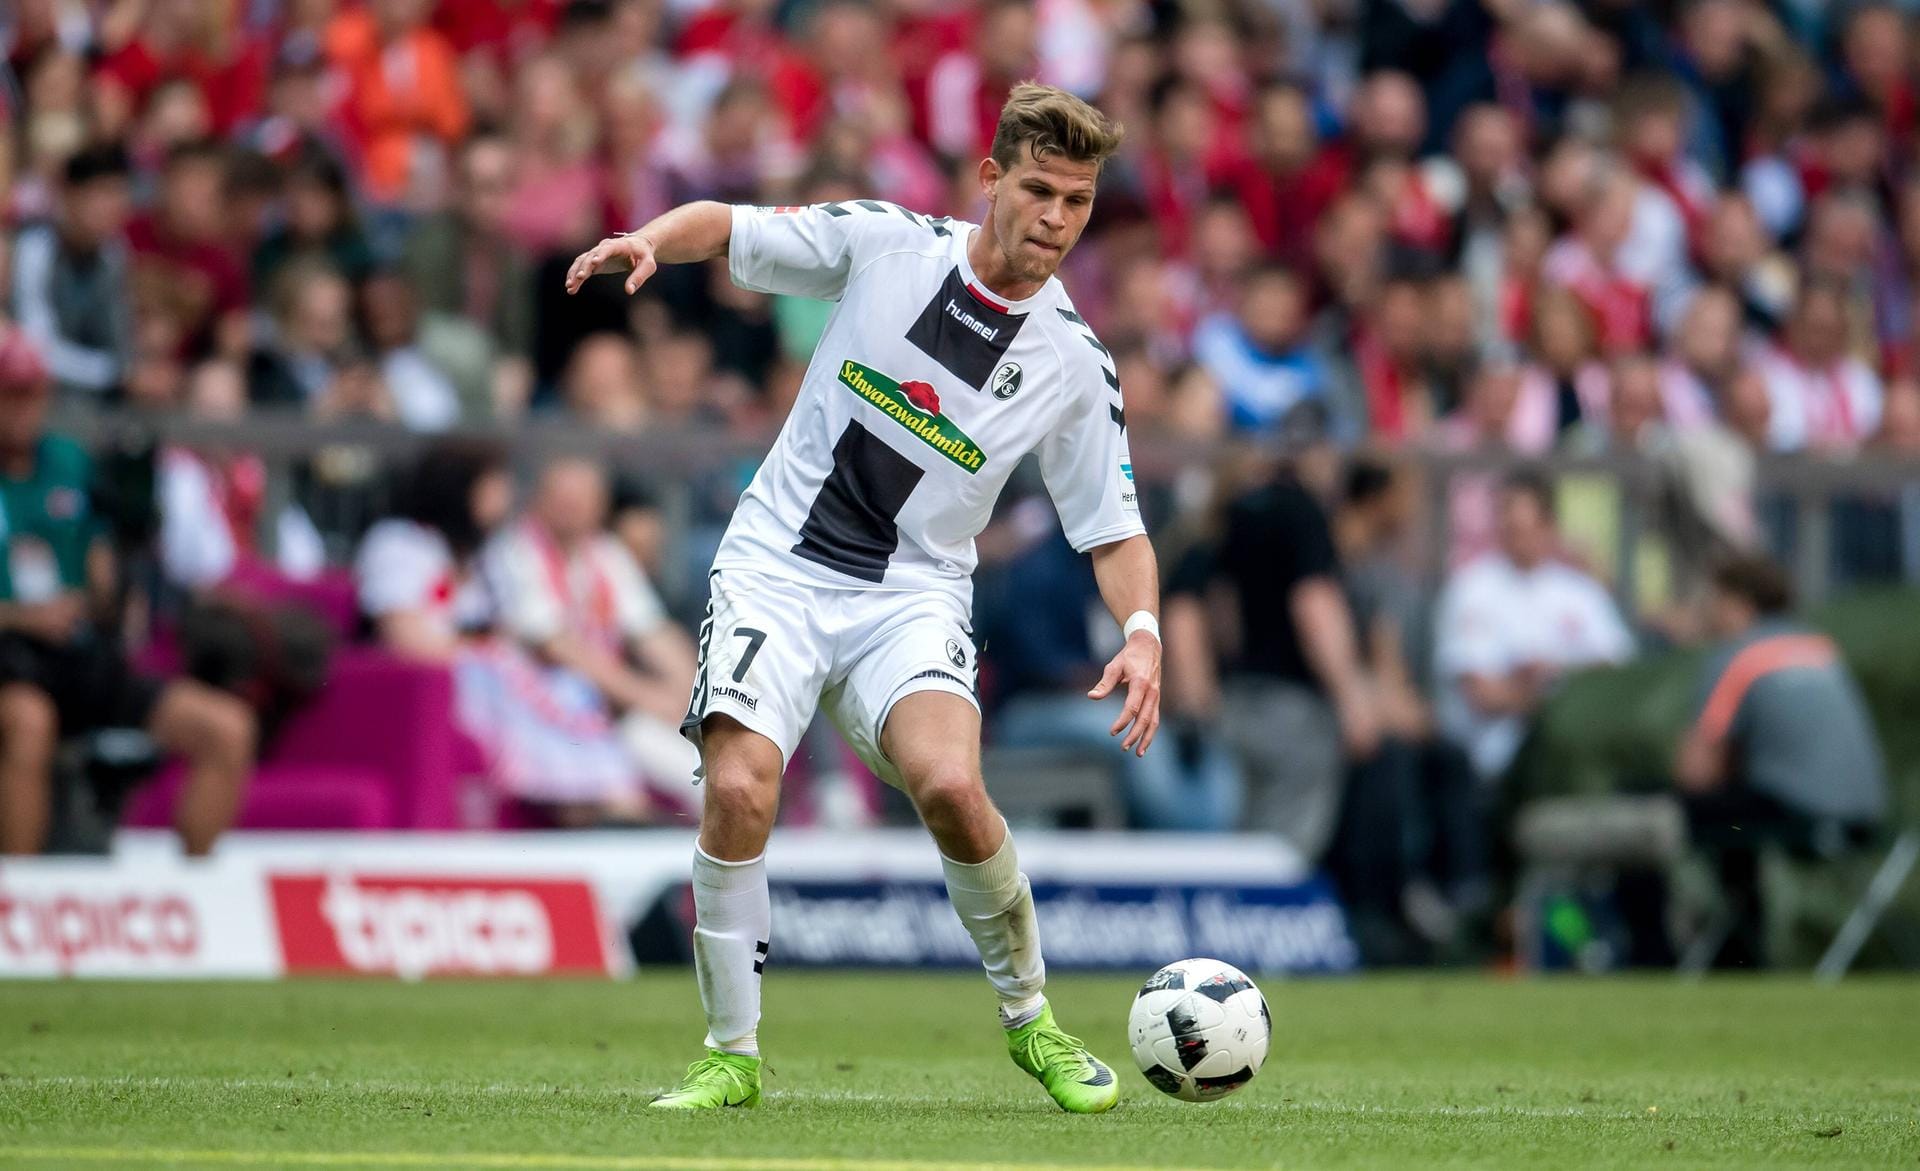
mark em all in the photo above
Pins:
pixel 184 268
pixel 1388 351
pixel 1287 179
pixel 1173 169
pixel 203 41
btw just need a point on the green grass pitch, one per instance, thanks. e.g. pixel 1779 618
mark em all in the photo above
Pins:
pixel 883 1072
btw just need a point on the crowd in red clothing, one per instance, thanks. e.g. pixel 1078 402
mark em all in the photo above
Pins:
pixel 1450 222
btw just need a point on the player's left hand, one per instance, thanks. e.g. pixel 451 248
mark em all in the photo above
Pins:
pixel 1138 666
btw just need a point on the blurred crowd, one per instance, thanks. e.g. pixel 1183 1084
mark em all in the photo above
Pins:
pixel 1685 230
pixel 1459 222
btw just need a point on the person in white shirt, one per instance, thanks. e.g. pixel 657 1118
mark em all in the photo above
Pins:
pixel 844 581
pixel 569 592
pixel 1511 624
pixel 544 736
pixel 1822 397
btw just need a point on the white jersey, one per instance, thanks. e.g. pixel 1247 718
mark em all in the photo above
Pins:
pixel 926 390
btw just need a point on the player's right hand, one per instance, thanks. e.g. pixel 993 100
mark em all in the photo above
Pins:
pixel 615 254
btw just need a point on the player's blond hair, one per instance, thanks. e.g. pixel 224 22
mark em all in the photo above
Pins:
pixel 1053 121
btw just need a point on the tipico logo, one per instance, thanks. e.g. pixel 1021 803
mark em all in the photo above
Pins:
pixel 915 406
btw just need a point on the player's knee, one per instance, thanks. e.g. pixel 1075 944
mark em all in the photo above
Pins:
pixel 28 723
pixel 950 792
pixel 736 795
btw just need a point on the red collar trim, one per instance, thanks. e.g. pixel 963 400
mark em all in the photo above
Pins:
pixel 980 296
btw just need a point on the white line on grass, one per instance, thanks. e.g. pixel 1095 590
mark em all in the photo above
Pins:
pixel 546 1162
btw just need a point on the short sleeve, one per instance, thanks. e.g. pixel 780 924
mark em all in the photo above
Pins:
pixel 637 607
pixel 399 567
pixel 798 251
pixel 1088 469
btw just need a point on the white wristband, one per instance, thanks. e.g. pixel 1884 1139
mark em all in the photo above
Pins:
pixel 1141 620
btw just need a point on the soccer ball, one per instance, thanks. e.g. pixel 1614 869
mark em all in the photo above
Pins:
pixel 1199 1030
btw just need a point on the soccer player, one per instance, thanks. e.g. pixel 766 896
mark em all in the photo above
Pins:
pixel 844 580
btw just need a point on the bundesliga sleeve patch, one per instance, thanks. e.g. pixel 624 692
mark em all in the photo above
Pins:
pixel 915 406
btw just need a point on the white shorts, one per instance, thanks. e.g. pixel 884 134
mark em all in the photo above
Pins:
pixel 772 650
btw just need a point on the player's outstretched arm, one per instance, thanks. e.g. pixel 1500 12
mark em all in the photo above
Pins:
pixel 1129 583
pixel 689 233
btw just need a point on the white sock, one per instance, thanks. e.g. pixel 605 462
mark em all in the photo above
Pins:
pixel 995 904
pixel 733 919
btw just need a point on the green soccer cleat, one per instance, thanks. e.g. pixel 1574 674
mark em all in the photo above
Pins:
pixel 1078 1081
pixel 716 1080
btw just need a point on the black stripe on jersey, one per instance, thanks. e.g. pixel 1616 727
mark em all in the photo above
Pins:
pixel 1119 416
pixel 963 335
pixel 1091 340
pixel 851 526
pixel 836 209
pixel 1113 380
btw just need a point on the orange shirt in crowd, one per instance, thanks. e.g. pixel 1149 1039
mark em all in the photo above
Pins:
pixel 402 96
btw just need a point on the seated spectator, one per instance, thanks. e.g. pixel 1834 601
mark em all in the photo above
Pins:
pixel 403 104
pixel 213 500
pixel 205 44
pixel 1258 353
pixel 1511 623
pixel 464 265
pixel 1566 384
pixel 415 372
pixel 62 671
pixel 1484 424
pixel 1822 398
pixel 1781 750
pixel 546 738
pixel 70 278
pixel 319 224
pixel 1738 254
pixel 1450 341
pixel 1636 415
pixel 184 267
pixel 1285 179
pixel 557 198
pixel 1047 659
pixel 1589 261
pixel 571 593
pixel 1387 356
pixel 1705 353
pixel 603 387
pixel 304 353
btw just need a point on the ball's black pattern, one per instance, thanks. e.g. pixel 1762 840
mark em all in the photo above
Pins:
pixel 1189 1038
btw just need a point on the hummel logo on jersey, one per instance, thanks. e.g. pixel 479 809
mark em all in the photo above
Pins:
pixel 898 402
pixel 965 335
pixel 970 321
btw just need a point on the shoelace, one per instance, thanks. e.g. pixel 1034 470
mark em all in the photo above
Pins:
pixel 1044 1043
pixel 711 1062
